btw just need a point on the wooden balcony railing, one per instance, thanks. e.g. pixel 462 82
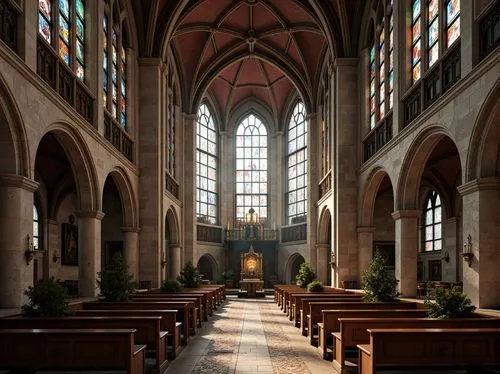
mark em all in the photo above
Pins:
pixel 489 29
pixel 251 233
pixel 171 185
pixel 208 233
pixel 377 138
pixel 325 185
pixel 53 71
pixel 118 137
pixel 9 16
pixel 294 233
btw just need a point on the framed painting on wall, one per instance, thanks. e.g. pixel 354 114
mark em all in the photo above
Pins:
pixel 435 270
pixel 69 244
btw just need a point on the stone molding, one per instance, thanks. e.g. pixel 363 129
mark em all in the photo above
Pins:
pixel 492 183
pixel 368 229
pixel 130 229
pixel 451 220
pixel 400 214
pixel 190 117
pixel 345 61
pixel 322 245
pixel 96 214
pixel 151 61
pixel 12 180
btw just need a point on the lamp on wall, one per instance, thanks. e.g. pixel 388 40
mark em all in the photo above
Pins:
pixel 446 256
pixel 332 259
pixel 56 256
pixel 163 261
pixel 29 253
pixel 467 253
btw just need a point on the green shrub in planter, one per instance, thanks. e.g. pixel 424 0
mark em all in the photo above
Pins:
pixel 115 282
pixel 46 299
pixel 448 303
pixel 189 276
pixel 379 285
pixel 305 276
pixel 171 285
pixel 315 286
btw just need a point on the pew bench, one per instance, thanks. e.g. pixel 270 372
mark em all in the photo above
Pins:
pixel 297 300
pixel 330 323
pixel 429 348
pixel 71 349
pixel 353 331
pixel 204 304
pixel 148 329
pixel 168 323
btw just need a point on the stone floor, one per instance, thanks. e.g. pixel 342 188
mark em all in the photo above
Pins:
pixel 249 336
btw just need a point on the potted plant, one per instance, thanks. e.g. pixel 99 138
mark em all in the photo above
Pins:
pixel 228 278
pixel 315 286
pixel 189 276
pixel 46 299
pixel 378 283
pixel 115 282
pixel 305 276
pixel 171 285
pixel 448 303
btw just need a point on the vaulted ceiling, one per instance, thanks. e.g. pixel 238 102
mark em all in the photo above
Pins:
pixel 233 50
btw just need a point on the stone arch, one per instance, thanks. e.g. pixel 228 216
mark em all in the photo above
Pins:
pixel 292 265
pixel 14 152
pixel 483 153
pixel 82 165
pixel 324 226
pixel 208 267
pixel 127 196
pixel 255 106
pixel 414 164
pixel 172 226
pixel 370 195
pixel 172 245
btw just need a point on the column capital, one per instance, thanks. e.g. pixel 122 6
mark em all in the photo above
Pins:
pixel 190 117
pixel 492 183
pixel 345 61
pixel 400 214
pixel 12 180
pixel 130 229
pixel 365 229
pixel 311 116
pixel 51 222
pixel 95 214
pixel 322 245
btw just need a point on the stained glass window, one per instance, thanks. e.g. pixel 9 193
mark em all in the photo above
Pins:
pixel 206 167
pixel 452 21
pixel 391 61
pixel 432 31
pixel 251 168
pixel 171 129
pixel 37 228
pixel 372 87
pixel 433 223
pixel 297 165
pixel 416 41
pixel 68 38
pixel 114 67
pixel 381 72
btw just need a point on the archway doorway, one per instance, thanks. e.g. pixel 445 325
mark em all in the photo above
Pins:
pixel 207 267
pixel 293 266
pixel 384 234
pixel 172 248
pixel 112 238
pixel 324 248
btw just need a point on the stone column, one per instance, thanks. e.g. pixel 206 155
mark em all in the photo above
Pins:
pixel 480 201
pixel 276 177
pixel 365 247
pixel 189 188
pixel 16 222
pixel 28 33
pixel 226 181
pixel 312 198
pixel 175 261
pixel 89 251
pixel 406 230
pixel 322 262
pixel 345 186
pixel 131 249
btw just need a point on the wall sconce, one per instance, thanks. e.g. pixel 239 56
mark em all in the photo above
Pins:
pixel 332 259
pixel 29 253
pixel 163 261
pixel 467 253
pixel 446 256
pixel 56 256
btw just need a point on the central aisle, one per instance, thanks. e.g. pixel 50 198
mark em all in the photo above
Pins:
pixel 249 336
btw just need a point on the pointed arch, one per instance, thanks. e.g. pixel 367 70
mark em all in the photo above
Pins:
pixel 172 227
pixel 324 226
pixel 127 196
pixel 292 266
pixel 370 192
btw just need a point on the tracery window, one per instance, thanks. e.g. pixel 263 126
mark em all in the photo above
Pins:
pixel 297 165
pixel 206 167
pixel 37 228
pixel 428 24
pixel 433 222
pixel 114 65
pixel 171 133
pixel 381 65
pixel 61 23
pixel 251 168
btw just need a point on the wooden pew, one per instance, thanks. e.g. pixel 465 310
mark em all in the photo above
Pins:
pixel 313 312
pixel 198 316
pixel 288 293
pixel 70 349
pixel 441 348
pixel 353 331
pixel 148 329
pixel 183 310
pixel 331 324
pixel 204 299
pixel 168 323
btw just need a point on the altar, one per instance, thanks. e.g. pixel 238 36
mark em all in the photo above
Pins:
pixel 251 275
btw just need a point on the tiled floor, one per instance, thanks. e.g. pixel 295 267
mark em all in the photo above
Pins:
pixel 249 336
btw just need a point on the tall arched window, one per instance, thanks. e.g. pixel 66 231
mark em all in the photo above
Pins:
pixel 381 65
pixel 37 228
pixel 297 165
pixel 61 23
pixel 114 64
pixel 171 128
pixel 427 26
pixel 433 222
pixel 206 167
pixel 251 168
